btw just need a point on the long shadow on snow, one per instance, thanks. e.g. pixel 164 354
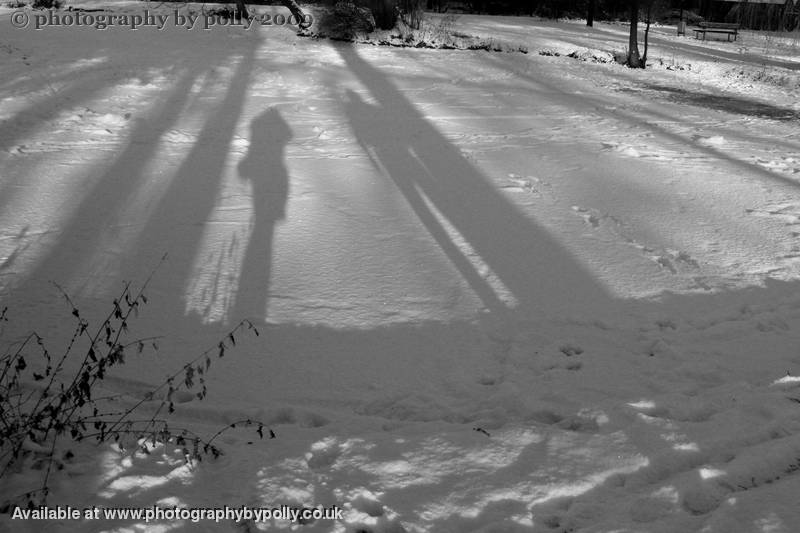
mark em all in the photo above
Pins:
pixel 596 105
pixel 101 205
pixel 178 223
pixel 264 168
pixel 78 88
pixel 740 133
pixel 735 57
pixel 434 176
pixel 107 65
pixel 728 104
pixel 97 214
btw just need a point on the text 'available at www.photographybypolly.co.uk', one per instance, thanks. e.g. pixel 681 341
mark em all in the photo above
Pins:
pixel 193 514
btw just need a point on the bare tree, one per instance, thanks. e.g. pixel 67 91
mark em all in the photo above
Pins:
pixel 291 5
pixel 651 10
pixel 648 19
pixel 634 59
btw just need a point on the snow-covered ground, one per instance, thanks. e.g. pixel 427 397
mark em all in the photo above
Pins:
pixel 496 291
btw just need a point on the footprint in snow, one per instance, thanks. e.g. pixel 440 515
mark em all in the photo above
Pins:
pixel 570 349
pixel 664 262
pixel 589 216
pixel 672 259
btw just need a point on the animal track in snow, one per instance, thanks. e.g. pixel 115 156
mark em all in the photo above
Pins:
pixel 672 260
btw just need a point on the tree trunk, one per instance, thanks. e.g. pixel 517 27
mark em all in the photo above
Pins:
pixel 634 60
pixel 241 10
pixel 291 5
pixel 590 13
pixel 646 33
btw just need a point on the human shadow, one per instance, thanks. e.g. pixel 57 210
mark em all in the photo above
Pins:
pixel 398 165
pixel 264 169
pixel 434 176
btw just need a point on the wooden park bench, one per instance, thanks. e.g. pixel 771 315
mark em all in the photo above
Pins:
pixel 716 27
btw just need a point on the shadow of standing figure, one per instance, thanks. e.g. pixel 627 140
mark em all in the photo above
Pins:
pixel 264 168
pixel 439 182
pixel 395 155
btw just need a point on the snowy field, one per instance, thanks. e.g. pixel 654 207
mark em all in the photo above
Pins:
pixel 497 292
